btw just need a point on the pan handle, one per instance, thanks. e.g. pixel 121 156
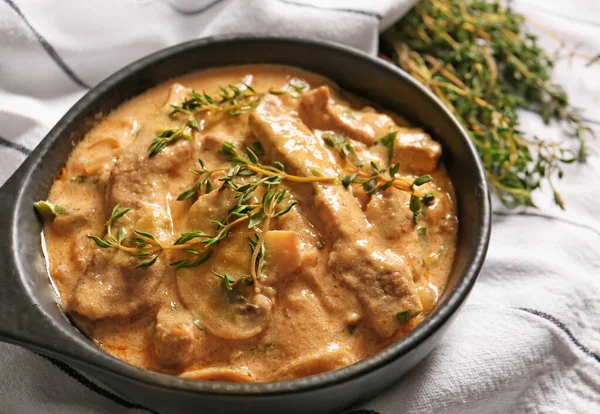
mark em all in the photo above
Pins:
pixel 22 320
pixel 29 312
pixel 17 310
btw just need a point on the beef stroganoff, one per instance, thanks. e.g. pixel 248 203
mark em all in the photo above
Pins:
pixel 249 224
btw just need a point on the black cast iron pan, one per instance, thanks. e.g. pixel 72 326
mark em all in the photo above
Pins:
pixel 29 311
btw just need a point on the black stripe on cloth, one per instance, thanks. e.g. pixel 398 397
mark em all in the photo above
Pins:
pixel 548 217
pixel 13 145
pixel 311 6
pixel 563 328
pixel 93 387
pixel 193 12
pixel 362 412
pixel 48 48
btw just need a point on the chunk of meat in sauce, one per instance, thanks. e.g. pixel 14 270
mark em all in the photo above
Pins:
pixel 381 281
pixel 390 215
pixel 317 112
pixel 174 336
pixel 112 287
pixel 283 254
pixel 413 149
pixel 416 151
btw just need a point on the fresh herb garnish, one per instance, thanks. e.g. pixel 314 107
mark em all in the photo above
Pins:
pixel 234 100
pixel 197 245
pixel 380 180
pixel 405 316
pixel 418 204
pixel 388 142
pixel 145 246
pixel 47 210
pixel 168 137
pixel 228 280
pixel 478 59
pixel 250 165
pixel 294 88
pixel 203 185
pixel 344 147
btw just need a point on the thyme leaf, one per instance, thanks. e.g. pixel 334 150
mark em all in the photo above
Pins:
pixel 388 141
pixel 47 210
pixel 168 137
pixel 228 280
pixel 405 316
pixel 343 146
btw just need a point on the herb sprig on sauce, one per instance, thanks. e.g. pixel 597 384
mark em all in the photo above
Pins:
pixel 233 100
pixel 257 208
pixel 380 179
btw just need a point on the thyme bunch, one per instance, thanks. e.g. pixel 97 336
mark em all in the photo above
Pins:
pixel 477 57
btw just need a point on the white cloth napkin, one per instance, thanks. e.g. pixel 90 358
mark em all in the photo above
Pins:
pixel 528 339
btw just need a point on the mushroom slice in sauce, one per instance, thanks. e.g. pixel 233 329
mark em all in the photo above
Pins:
pixel 219 374
pixel 239 313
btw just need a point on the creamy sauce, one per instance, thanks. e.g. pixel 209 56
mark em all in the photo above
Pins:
pixel 341 266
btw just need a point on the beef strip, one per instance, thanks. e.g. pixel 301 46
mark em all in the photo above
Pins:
pixel 379 278
pixel 365 126
pixel 413 149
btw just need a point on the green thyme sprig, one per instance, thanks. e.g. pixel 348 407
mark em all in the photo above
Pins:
pixel 229 282
pixel 198 245
pixel 294 88
pixel 405 316
pixel 478 59
pixel 344 147
pixel 171 136
pixel 380 179
pixel 275 201
pixel 203 185
pixel 144 246
pixel 259 263
pixel 388 142
pixel 418 205
pixel 234 100
pixel 250 165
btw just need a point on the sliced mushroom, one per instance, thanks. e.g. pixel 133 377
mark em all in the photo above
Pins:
pixel 219 374
pixel 329 359
pixel 238 313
